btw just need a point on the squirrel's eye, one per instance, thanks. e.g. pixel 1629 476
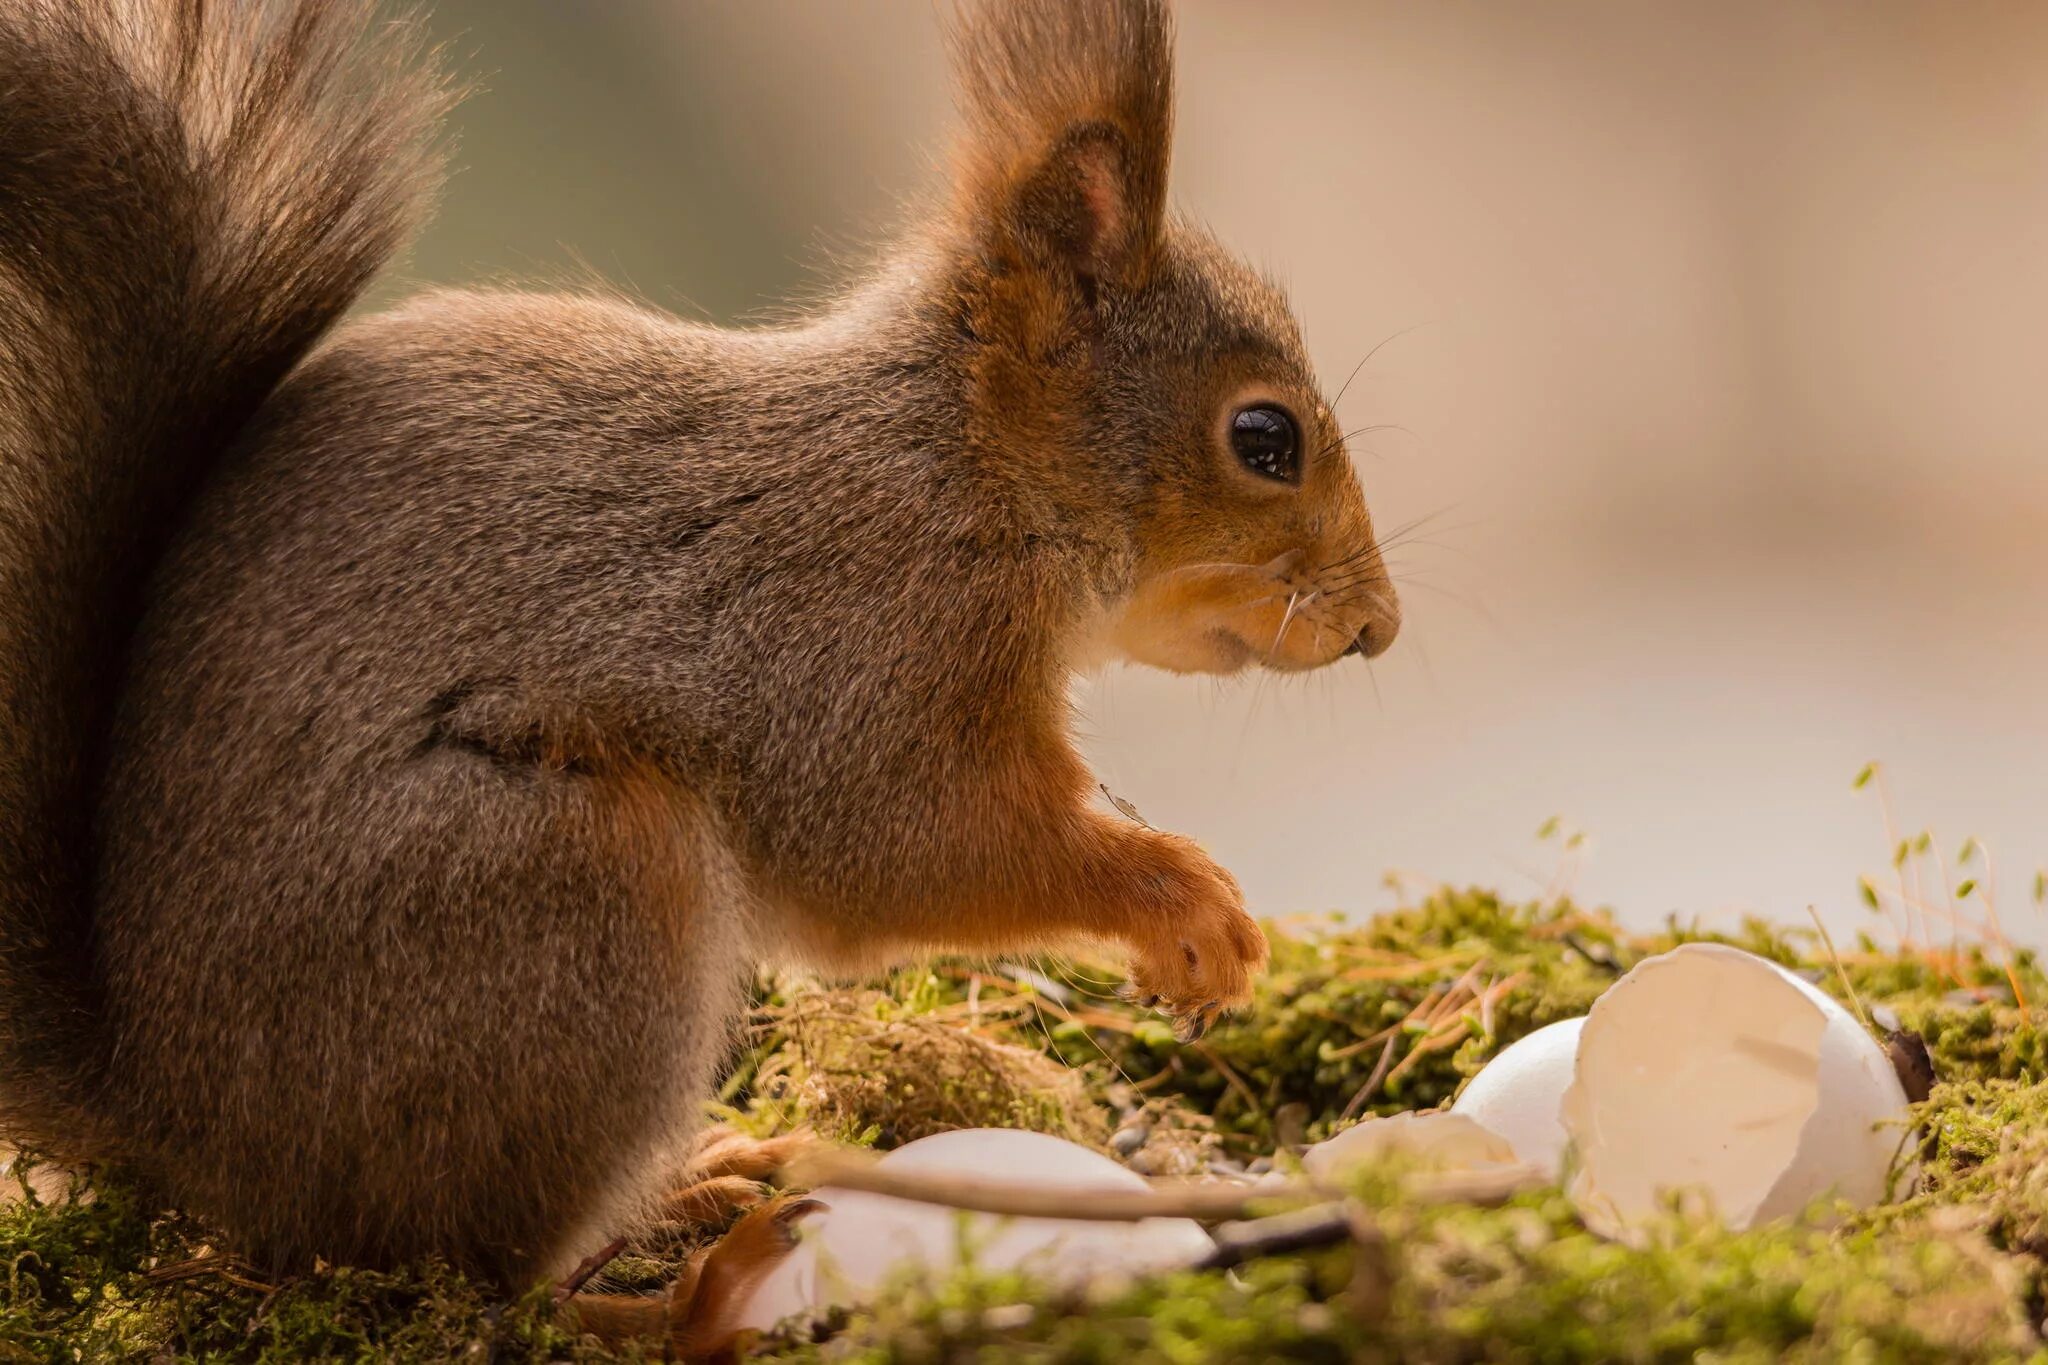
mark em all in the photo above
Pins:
pixel 1263 438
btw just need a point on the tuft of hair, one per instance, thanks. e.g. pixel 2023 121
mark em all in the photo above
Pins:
pixel 190 195
pixel 1037 78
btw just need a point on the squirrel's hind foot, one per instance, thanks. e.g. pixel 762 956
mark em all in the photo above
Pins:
pixel 697 1320
pixel 724 1173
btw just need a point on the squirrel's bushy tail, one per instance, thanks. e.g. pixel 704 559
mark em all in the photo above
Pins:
pixel 191 191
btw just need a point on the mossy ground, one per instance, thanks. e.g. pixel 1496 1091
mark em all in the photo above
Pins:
pixel 1373 1018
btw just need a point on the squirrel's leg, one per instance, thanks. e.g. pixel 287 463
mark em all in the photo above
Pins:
pixel 723 1174
pixel 1194 950
pixel 1022 862
pixel 511 977
pixel 697 1320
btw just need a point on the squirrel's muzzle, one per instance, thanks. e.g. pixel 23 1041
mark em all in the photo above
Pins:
pixel 1284 615
pixel 1372 639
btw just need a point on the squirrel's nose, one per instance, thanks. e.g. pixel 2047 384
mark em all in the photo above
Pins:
pixel 1372 639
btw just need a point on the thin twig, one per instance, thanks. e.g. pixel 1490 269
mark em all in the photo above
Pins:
pixel 1318 1225
pixel 229 1268
pixel 1372 1082
pixel 1230 1077
pixel 1841 972
pixel 1435 1042
pixel 848 1169
pixel 587 1267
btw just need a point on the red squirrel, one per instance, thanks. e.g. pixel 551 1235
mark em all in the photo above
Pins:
pixel 414 728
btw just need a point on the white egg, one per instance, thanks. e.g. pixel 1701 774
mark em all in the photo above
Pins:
pixel 1711 1071
pixel 860 1241
pixel 1517 1094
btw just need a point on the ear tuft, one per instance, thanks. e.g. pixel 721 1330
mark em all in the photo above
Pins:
pixel 1068 112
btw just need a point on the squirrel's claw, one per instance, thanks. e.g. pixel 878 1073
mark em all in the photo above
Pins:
pixel 1191 1026
pixel 705 1306
pixel 724 1174
pixel 1131 994
pixel 1190 1022
pixel 1195 954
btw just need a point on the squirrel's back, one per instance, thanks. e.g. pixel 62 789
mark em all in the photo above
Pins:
pixel 190 194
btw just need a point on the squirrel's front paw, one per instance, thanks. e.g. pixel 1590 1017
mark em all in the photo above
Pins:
pixel 1195 955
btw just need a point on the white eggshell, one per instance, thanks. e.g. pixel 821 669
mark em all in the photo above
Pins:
pixel 1517 1094
pixel 1447 1141
pixel 860 1241
pixel 1711 1071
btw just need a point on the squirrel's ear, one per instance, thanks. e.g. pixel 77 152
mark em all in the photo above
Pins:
pixel 1068 111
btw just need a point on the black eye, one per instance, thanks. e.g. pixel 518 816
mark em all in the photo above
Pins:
pixel 1263 437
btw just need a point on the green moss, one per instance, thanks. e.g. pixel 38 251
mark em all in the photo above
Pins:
pixel 1523 1282
pixel 1465 973
pixel 1375 1017
pixel 866 1066
pixel 99 1278
pixel 1979 1042
pixel 69 1265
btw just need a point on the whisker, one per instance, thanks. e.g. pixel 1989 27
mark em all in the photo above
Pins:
pixel 1339 601
pixel 1361 431
pixel 1470 604
pixel 1409 528
pixel 1286 619
pixel 1423 542
pixel 1251 714
pixel 1421 651
pixel 1345 387
pixel 1368 360
pixel 1367 574
pixel 1381 545
pixel 1412 538
pixel 1352 558
pixel 1355 566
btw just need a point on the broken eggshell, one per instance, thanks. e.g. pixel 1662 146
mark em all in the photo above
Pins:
pixel 1517 1095
pixel 1446 1141
pixel 1507 1115
pixel 859 1241
pixel 1713 1073
pixel 1706 1072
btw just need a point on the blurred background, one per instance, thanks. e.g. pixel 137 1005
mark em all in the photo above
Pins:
pixel 1705 342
